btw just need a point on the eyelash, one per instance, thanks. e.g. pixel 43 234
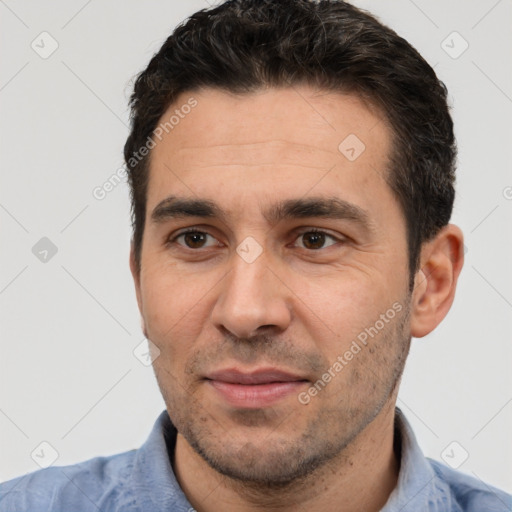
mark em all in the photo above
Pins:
pixel 172 241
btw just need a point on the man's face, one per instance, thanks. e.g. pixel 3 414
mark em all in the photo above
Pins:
pixel 254 292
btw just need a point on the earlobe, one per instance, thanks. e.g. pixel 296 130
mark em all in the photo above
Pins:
pixel 435 283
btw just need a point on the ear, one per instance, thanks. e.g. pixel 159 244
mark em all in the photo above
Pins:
pixel 136 279
pixel 441 261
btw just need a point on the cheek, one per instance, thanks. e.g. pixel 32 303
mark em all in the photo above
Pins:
pixel 173 307
pixel 341 306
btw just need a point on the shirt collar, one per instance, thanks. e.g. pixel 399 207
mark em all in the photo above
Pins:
pixel 153 481
pixel 418 487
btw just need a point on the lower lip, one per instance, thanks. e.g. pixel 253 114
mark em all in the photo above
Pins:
pixel 256 395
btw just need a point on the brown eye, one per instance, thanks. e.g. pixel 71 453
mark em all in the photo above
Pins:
pixel 315 240
pixel 194 239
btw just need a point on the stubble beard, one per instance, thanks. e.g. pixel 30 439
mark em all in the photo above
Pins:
pixel 287 460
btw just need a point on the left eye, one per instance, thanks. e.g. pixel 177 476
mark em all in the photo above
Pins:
pixel 315 240
pixel 195 239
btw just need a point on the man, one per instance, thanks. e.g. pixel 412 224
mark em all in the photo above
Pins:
pixel 291 166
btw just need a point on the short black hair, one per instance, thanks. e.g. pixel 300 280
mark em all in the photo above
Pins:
pixel 242 46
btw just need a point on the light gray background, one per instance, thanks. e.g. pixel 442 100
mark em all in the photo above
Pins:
pixel 69 326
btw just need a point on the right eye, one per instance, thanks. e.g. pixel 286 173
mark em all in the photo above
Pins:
pixel 193 239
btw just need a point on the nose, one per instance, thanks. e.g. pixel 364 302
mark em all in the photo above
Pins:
pixel 252 297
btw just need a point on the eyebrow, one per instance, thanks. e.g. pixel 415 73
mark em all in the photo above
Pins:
pixel 320 207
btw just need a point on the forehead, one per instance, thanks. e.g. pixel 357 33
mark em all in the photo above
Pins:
pixel 295 137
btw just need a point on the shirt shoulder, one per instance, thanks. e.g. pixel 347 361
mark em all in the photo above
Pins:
pixel 101 483
pixel 140 480
pixel 469 493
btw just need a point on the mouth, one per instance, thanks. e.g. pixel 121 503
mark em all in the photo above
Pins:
pixel 255 389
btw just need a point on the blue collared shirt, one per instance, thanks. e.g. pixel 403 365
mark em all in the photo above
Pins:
pixel 143 481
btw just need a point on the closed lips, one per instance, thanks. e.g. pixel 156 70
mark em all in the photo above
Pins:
pixel 254 378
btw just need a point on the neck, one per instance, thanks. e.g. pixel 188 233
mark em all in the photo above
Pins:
pixel 360 478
